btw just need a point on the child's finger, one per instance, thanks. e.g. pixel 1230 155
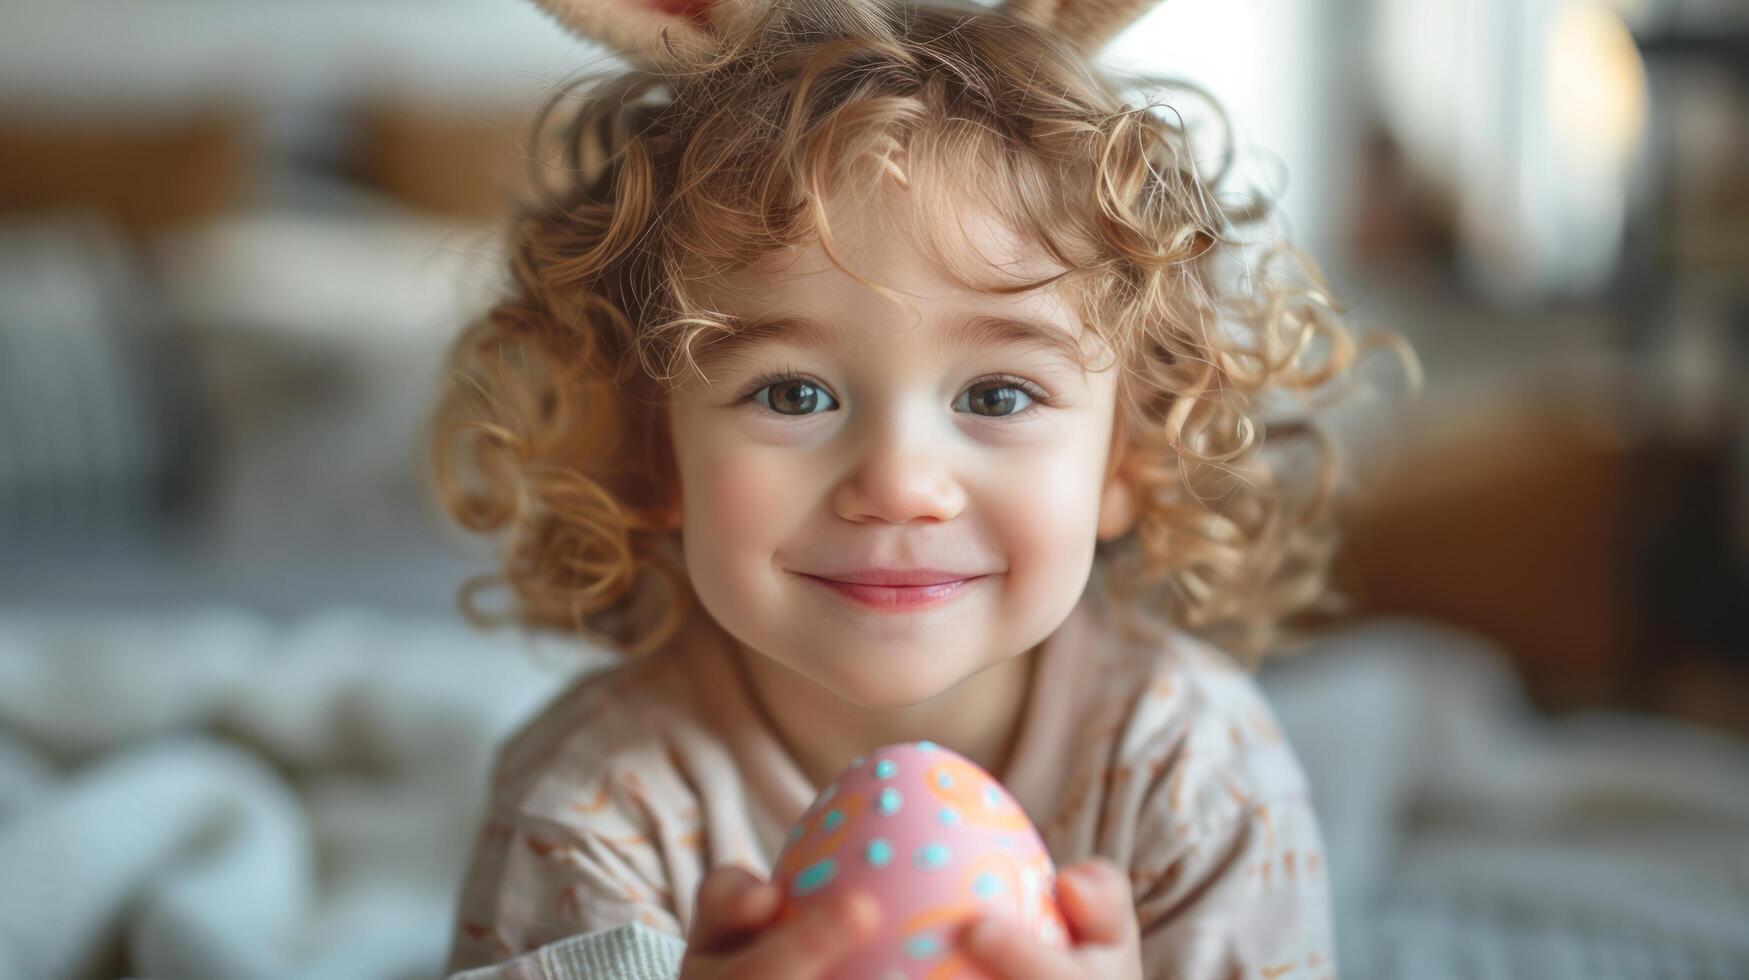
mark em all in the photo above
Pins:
pixel 731 900
pixel 811 944
pixel 1005 951
pixel 1095 898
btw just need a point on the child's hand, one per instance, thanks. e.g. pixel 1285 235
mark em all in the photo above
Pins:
pixel 1095 898
pixel 732 937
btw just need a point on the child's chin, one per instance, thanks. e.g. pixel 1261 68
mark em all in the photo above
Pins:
pixel 896 687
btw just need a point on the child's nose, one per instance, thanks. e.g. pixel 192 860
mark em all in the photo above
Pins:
pixel 899 478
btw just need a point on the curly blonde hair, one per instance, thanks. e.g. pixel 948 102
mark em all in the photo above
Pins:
pixel 550 427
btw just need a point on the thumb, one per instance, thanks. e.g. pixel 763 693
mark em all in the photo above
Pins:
pixel 1095 898
pixel 731 901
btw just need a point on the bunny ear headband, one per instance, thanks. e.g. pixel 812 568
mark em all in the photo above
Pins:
pixel 656 30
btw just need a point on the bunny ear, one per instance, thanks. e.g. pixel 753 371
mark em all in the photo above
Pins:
pixel 666 32
pixel 1087 24
pixel 657 32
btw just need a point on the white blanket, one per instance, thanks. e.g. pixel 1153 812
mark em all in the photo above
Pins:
pixel 1470 837
pixel 208 794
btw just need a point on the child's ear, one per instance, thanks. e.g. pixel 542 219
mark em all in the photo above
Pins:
pixel 668 514
pixel 1117 508
pixel 1117 498
pixel 672 516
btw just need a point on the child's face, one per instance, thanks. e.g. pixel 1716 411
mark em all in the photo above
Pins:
pixel 893 447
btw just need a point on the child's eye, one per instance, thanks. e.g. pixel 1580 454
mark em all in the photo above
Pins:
pixel 997 397
pixel 791 396
pixel 1002 397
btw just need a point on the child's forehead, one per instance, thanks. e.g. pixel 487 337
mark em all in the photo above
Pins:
pixel 948 245
pixel 805 299
pixel 830 311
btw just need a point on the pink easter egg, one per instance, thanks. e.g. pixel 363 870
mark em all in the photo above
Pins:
pixel 937 841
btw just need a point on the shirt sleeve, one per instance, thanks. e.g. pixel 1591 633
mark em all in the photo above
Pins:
pixel 628 952
pixel 1243 896
pixel 533 881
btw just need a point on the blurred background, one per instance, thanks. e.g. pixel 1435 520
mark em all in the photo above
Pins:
pixel 244 733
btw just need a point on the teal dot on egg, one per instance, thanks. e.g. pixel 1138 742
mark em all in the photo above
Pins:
pixel 812 877
pixel 929 857
pixel 795 833
pixel 948 816
pixel 834 817
pixel 986 885
pixel 943 779
pixel 992 797
pixel 885 768
pixel 922 947
pixel 927 746
pixel 889 801
pixel 876 853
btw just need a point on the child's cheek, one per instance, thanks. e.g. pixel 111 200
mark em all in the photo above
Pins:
pixel 1048 502
pixel 741 488
pixel 1045 517
pixel 741 507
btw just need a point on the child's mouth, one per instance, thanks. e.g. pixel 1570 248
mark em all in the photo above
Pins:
pixel 896 598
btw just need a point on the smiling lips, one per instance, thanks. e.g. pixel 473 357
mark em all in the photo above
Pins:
pixel 897 590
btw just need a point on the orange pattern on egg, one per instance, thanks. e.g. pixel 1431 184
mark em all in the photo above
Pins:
pixel 937 841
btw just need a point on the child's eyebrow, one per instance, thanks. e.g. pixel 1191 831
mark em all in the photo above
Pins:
pixel 1019 332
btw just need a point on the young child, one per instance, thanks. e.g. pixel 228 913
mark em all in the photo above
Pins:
pixel 871 379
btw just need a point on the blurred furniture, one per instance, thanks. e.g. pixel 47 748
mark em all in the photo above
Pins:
pixel 142 174
pixel 99 427
pixel 1599 530
pixel 1600 562
pixel 465 163
pixel 1512 524
pixel 1680 288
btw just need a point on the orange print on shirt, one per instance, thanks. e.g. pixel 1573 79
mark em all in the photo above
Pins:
pixel 475 931
pixel 596 805
pixel 540 847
